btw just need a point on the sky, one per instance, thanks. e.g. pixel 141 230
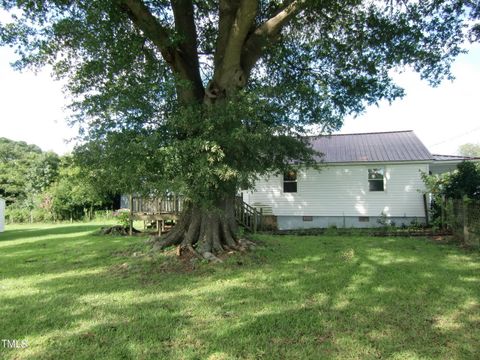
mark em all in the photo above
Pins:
pixel 32 108
pixel 444 117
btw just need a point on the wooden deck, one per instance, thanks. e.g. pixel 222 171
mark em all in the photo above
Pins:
pixel 156 211
pixel 159 211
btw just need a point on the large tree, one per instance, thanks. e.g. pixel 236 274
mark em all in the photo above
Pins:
pixel 469 149
pixel 25 170
pixel 204 96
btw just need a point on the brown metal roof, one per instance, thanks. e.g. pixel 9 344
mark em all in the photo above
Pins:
pixel 368 147
pixel 457 158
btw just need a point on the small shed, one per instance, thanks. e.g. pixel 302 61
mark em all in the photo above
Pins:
pixel 2 215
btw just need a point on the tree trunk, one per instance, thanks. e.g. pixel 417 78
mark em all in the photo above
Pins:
pixel 205 232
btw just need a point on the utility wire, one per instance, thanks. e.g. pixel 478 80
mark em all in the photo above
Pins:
pixel 456 137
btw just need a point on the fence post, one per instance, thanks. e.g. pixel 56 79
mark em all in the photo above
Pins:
pixel 425 207
pixel 130 228
pixel 443 204
pixel 255 220
pixel 466 235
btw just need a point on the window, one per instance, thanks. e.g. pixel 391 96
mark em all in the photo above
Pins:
pixel 375 180
pixel 290 182
pixel 308 218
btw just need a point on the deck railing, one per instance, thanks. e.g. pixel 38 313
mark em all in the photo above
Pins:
pixel 248 216
pixel 153 205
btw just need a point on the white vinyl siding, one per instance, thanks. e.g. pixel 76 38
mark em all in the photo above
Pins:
pixel 343 190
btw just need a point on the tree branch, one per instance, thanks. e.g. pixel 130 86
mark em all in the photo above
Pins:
pixel 183 59
pixel 265 33
pixel 236 20
pixel 183 13
pixel 141 16
pixel 244 18
pixel 227 11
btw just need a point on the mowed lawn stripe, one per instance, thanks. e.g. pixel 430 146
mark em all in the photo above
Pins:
pixel 73 294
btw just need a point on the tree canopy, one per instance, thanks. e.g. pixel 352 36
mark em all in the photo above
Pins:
pixel 469 149
pixel 205 96
pixel 40 185
pixel 25 169
pixel 142 71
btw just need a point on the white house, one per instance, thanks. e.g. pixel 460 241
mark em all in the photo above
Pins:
pixel 362 177
pixel 2 215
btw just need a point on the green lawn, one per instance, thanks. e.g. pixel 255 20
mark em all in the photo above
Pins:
pixel 74 295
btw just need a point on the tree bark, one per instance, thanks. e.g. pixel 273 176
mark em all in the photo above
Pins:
pixel 205 232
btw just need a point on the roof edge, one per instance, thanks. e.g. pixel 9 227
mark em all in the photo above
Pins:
pixel 366 133
pixel 443 157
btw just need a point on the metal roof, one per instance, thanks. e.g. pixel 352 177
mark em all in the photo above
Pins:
pixel 371 147
pixel 438 157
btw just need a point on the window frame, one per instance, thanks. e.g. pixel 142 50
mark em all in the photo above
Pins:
pixel 290 182
pixel 371 181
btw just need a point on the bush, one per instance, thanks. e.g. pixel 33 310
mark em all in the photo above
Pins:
pixel 16 215
pixel 384 221
pixel 465 181
pixel 123 217
pixel 104 215
pixel 461 184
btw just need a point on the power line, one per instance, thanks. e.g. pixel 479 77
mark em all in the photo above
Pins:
pixel 456 137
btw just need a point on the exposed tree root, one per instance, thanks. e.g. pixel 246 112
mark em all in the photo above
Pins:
pixel 205 233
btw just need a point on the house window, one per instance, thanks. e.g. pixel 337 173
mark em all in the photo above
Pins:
pixel 290 181
pixel 376 180
pixel 308 218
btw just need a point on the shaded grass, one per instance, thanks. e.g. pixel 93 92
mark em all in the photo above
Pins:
pixel 75 295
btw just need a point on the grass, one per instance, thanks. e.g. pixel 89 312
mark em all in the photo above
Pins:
pixel 75 295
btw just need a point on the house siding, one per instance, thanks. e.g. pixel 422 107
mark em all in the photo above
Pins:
pixel 342 191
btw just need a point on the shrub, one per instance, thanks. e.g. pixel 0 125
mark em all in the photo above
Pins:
pixel 123 217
